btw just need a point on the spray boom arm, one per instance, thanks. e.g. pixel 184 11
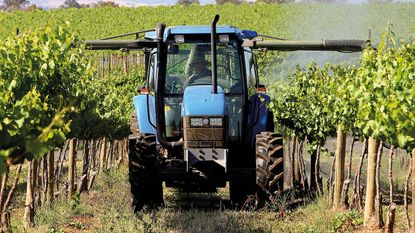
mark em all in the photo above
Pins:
pixel 119 44
pixel 323 45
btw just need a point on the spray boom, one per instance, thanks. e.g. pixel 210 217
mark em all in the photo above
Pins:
pixel 323 45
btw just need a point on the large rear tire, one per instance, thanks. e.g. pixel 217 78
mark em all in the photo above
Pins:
pixel 269 162
pixel 144 176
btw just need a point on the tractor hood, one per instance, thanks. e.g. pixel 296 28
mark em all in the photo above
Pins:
pixel 200 101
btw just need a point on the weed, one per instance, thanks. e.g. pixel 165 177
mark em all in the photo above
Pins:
pixel 75 200
pixel 281 202
pixel 345 220
pixel 77 225
pixel 53 218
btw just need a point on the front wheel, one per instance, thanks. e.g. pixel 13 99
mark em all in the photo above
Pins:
pixel 144 177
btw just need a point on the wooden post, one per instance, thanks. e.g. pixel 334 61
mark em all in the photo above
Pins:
pixel 288 170
pixel 44 178
pixel 59 164
pixel 29 201
pixel 124 59
pixel 317 171
pixel 109 63
pixel 349 176
pixel 38 182
pixel 378 200
pixel 357 197
pixel 330 182
pixel 5 214
pixel 71 167
pixel 35 184
pixel 371 180
pixel 303 174
pixel 51 179
pixel 102 155
pixel 93 154
pixel 405 200
pixel 4 179
pixel 390 175
pixel 313 160
pixel 110 154
pixel 83 184
pixel 296 163
pixel 339 170
pixel 390 218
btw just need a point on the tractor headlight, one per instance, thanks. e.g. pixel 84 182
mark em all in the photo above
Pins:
pixel 216 121
pixel 196 121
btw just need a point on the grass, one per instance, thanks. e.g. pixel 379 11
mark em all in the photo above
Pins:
pixel 106 209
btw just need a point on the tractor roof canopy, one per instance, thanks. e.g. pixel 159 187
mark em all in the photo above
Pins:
pixel 203 30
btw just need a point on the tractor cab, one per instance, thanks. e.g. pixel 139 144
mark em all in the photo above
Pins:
pixel 188 70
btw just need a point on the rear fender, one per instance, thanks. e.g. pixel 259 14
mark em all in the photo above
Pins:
pixel 260 118
pixel 144 106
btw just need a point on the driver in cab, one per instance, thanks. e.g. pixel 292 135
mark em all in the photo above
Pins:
pixel 199 69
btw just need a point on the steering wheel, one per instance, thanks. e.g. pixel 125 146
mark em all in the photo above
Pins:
pixel 174 84
pixel 198 80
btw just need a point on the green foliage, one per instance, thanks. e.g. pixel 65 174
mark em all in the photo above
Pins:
pixel 107 105
pixel 94 23
pixel 385 88
pixel 314 102
pixel 346 220
pixel 49 92
pixel 41 78
pixel 375 100
pixel 75 201
pixel 281 20
pixel 293 21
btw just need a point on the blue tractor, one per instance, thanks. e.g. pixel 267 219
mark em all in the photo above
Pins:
pixel 202 118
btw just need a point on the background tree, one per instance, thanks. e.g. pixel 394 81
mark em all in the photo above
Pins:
pixel 33 7
pixel 11 5
pixel 70 4
pixel 273 1
pixel 220 2
pixel 187 2
pixel 105 4
pixel 325 1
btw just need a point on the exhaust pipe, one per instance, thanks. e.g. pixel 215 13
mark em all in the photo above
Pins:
pixel 161 58
pixel 213 51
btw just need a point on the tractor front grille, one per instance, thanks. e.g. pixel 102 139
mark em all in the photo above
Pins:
pixel 205 136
